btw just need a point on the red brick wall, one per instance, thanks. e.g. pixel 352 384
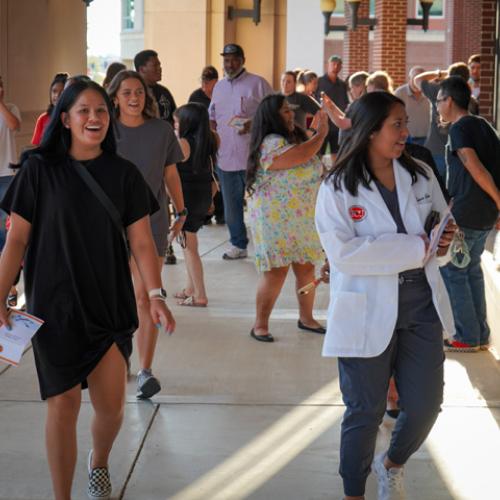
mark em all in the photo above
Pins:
pixel 355 51
pixel 488 35
pixel 429 55
pixel 463 32
pixel 389 46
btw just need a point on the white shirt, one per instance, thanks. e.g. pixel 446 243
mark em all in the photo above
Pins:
pixel 8 153
pixel 366 254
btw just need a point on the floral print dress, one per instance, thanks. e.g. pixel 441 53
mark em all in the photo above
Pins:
pixel 281 210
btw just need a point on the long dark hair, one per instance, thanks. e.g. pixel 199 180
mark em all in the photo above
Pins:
pixel 267 121
pixel 150 107
pixel 368 114
pixel 58 78
pixel 194 126
pixel 113 69
pixel 56 141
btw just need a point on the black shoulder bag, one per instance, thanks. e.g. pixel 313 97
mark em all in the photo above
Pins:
pixel 99 193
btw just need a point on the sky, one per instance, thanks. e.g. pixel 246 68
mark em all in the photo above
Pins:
pixel 103 28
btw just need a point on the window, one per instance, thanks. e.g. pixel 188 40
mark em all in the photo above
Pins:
pixel 340 8
pixel 128 14
pixel 437 9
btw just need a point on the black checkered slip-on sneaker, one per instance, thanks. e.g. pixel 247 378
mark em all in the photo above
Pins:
pixel 99 482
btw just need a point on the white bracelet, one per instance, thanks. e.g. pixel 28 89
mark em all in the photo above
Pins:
pixel 158 297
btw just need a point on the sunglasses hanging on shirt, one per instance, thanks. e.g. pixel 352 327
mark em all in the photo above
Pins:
pixel 460 256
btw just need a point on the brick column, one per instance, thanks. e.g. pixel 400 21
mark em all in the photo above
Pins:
pixel 488 34
pixel 356 50
pixel 389 46
pixel 463 35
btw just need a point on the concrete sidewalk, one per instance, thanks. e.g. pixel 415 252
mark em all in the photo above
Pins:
pixel 242 419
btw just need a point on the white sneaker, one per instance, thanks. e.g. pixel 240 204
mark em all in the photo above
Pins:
pixel 147 384
pixel 235 253
pixel 390 481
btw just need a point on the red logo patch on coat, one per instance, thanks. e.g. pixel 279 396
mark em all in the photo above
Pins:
pixel 357 213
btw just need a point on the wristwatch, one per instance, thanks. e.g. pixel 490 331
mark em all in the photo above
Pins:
pixel 182 213
pixel 157 293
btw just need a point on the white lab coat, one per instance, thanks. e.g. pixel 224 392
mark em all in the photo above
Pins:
pixel 366 254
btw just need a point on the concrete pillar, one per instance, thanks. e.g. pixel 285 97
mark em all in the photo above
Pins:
pixel 356 44
pixel 37 40
pixel 265 44
pixel 190 34
pixel 389 45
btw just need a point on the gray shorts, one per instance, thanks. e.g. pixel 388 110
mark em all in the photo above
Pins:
pixel 161 243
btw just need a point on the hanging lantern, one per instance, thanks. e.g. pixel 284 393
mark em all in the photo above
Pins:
pixel 327 7
pixel 354 6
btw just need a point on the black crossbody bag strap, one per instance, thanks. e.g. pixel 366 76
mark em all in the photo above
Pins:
pixel 103 198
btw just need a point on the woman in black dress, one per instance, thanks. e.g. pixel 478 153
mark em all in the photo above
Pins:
pixel 77 275
pixel 199 145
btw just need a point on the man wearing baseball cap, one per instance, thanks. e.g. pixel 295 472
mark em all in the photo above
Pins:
pixel 336 90
pixel 234 103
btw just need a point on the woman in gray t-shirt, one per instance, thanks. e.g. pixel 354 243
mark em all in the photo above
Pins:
pixel 149 143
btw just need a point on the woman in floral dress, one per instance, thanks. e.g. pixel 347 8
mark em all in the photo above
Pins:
pixel 283 177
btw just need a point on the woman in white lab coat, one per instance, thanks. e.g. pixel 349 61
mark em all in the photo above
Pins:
pixel 387 310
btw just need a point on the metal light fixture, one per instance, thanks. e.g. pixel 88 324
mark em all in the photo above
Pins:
pixel 327 8
pixel 254 13
pixel 426 10
pixel 354 6
pixel 355 20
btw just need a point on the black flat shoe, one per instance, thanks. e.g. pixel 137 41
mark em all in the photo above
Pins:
pixel 261 338
pixel 320 329
pixel 393 413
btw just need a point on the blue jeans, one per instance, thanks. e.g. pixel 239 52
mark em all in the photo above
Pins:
pixel 440 162
pixel 466 290
pixel 4 184
pixel 232 185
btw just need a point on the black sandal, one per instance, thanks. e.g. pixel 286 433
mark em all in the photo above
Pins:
pixel 12 300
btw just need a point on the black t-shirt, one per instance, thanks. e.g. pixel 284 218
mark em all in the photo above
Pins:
pixel 423 154
pixel 197 174
pixel 472 207
pixel 301 105
pixel 437 135
pixel 76 267
pixel 166 102
pixel 200 97
pixel 337 92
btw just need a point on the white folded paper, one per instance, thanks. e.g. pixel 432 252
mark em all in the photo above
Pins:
pixel 13 342
pixel 437 232
pixel 238 122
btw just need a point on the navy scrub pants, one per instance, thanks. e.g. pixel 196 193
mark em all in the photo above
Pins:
pixel 415 357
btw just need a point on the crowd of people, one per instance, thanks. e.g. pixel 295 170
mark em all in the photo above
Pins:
pixel 346 176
